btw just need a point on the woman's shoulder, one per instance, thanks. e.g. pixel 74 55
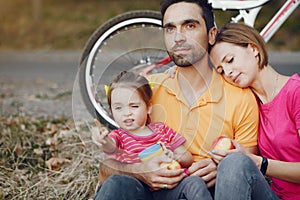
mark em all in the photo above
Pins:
pixel 292 86
pixel 295 79
pixel 291 83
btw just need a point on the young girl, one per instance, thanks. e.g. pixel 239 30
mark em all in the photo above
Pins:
pixel 240 55
pixel 129 98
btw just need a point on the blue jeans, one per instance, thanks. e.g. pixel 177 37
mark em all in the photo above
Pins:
pixel 239 179
pixel 122 187
pixel 190 188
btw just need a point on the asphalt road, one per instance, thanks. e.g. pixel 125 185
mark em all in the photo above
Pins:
pixel 38 83
pixel 45 83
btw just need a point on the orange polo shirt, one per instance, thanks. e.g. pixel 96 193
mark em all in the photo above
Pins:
pixel 221 110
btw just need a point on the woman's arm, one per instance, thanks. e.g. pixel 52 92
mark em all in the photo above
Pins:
pixel 287 171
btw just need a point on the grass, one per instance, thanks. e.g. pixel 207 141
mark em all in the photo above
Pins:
pixel 46 158
pixel 60 25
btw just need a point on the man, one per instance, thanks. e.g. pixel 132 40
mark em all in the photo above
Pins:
pixel 197 103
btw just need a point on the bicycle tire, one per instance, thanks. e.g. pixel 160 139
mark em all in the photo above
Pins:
pixel 116 29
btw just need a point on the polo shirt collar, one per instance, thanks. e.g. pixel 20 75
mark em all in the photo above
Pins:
pixel 215 89
pixel 212 95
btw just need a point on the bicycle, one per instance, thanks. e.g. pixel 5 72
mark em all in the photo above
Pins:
pixel 133 41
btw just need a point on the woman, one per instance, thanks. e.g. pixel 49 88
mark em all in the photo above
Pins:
pixel 240 55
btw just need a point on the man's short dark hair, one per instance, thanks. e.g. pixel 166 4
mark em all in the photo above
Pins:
pixel 207 10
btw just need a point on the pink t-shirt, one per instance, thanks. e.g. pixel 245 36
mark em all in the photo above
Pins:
pixel 129 145
pixel 278 137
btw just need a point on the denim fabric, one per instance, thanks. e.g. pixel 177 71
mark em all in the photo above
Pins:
pixel 239 179
pixel 190 188
pixel 123 187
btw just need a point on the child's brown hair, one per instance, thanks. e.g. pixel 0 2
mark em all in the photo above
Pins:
pixel 132 80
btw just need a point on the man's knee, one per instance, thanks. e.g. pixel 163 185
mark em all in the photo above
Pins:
pixel 194 187
pixel 194 181
pixel 235 163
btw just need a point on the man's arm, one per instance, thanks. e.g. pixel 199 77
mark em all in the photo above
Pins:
pixel 246 121
pixel 149 172
pixel 110 166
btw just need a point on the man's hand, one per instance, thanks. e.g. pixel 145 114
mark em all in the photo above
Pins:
pixel 149 172
pixel 159 177
pixel 206 169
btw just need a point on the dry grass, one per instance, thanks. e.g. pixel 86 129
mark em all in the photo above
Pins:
pixel 46 158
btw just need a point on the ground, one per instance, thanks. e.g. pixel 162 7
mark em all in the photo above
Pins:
pixel 45 152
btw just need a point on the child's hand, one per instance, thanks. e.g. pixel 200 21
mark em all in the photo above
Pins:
pixel 103 130
pixel 100 138
pixel 169 153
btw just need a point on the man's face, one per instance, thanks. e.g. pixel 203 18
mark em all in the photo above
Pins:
pixel 185 33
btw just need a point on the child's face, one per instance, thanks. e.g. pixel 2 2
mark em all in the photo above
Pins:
pixel 129 109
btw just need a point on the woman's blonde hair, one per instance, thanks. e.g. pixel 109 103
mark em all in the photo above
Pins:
pixel 243 35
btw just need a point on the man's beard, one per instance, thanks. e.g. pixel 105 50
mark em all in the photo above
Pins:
pixel 186 60
pixel 179 60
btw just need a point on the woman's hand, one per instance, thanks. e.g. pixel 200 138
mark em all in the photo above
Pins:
pixel 171 71
pixel 219 155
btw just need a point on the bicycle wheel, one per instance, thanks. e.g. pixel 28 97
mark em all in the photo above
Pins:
pixel 130 41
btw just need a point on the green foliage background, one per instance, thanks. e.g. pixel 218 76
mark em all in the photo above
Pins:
pixel 67 24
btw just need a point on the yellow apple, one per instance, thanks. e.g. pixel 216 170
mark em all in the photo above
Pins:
pixel 173 165
pixel 223 143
